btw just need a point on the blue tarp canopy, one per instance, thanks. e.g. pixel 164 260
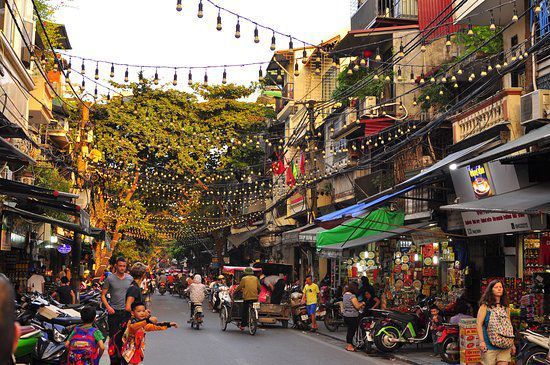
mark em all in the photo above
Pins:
pixel 360 209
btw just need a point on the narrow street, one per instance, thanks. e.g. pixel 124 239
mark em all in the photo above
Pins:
pixel 209 345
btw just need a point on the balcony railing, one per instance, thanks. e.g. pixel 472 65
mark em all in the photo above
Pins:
pixel 502 108
pixel 369 10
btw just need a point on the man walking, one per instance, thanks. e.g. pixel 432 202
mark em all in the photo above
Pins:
pixel 250 286
pixel 116 285
pixel 311 297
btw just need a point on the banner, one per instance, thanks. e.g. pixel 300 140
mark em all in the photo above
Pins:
pixel 485 223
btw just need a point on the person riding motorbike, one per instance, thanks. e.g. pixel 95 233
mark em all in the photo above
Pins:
pixel 250 287
pixel 220 282
pixel 196 292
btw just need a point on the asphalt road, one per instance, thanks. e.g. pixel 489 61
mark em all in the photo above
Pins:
pixel 209 345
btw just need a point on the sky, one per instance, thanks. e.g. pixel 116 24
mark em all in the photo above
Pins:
pixel 149 32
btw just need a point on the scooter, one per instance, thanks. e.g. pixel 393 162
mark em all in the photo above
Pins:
pixel 535 347
pixel 333 318
pixel 198 315
pixel 397 328
pixel 50 348
pixel 26 344
pixel 300 319
pixel 449 344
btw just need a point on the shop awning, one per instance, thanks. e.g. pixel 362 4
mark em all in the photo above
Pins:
pixel 536 136
pixel 235 240
pixel 311 235
pixel 357 210
pixel 380 220
pixel 44 219
pixel 380 236
pixel 293 236
pixel 532 200
pixel 13 156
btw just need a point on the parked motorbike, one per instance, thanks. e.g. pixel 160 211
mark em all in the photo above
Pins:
pixel 534 347
pixel 300 319
pixel 171 287
pixel 449 344
pixel 364 336
pixel 50 348
pixel 334 318
pixel 397 328
pixel 26 344
pixel 162 288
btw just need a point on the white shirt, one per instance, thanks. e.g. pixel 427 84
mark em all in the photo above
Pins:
pixel 35 283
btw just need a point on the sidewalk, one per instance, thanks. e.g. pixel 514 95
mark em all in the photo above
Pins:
pixel 412 354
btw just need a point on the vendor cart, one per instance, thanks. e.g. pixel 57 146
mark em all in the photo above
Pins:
pixel 273 313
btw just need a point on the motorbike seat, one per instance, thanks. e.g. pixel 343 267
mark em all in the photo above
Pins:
pixel 66 321
pixel 25 330
pixel 404 317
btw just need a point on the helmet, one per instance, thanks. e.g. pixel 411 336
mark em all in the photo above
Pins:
pixel 221 277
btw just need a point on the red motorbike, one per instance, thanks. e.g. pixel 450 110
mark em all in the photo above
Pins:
pixel 449 344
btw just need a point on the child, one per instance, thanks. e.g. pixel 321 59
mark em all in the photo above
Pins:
pixel 85 344
pixel 134 337
pixel 435 326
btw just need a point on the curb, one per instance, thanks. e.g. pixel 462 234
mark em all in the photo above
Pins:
pixel 403 358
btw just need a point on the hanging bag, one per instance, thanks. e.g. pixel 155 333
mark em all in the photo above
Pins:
pixel 500 329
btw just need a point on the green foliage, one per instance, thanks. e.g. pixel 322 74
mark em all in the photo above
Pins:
pixel 178 252
pixel 47 176
pixel 372 88
pixel 132 250
pixel 480 36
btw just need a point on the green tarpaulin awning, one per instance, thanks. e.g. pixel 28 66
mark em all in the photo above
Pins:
pixel 379 220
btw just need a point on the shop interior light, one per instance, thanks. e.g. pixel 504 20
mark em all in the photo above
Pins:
pixel 436 260
pixel 416 257
pixel 53 239
pixel 436 244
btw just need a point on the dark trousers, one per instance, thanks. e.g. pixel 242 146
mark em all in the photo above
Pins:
pixel 117 322
pixel 352 323
pixel 246 308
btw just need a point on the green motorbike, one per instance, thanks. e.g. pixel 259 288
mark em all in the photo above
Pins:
pixel 27 342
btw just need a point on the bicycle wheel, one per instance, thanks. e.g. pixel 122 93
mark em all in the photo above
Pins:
pixel 252 321
pixel 359 338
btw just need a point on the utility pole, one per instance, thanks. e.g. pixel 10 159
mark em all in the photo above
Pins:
pixel 81 167
pixel 310 107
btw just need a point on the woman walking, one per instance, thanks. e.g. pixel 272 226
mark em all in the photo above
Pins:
pixel 351 312
pixel 494 327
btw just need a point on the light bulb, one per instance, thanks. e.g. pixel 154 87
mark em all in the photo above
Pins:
pixel 260 74
pixel 432 79
pixel 515 16
pixel 256 35
pixel 443 80
pixel 537 9
pixel 219 21
pixel 175 80
pixel 423 47
pixel 440 92
pixel 96 75
pixel 238 29
pixel 470 29
pixel 189 78
pixel 453 78
pixel 363 62
pixel 459 72
pixel 126 75
pixel 296 70
pixel 376 78
pixel 272 46
pixel 401 50
pixel 356 67
pixel 224 77
pixel 304 56
pixel 422 78
pixel 378 57
pixel 200 12
pixel 455 85
pixel 156 79
pixel 399 78
pixel 179 7
pixel 387 78
pixel 83 68
pixel 95 91
pixel 290 44
pixel 112 74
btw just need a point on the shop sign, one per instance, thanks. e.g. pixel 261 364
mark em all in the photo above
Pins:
pixel 485 223
pixel 226 259
pixel 479 177
pixel 5 243
pixel 64 248
pixel 426 237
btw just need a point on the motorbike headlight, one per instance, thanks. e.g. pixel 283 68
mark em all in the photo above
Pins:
pixel 59 337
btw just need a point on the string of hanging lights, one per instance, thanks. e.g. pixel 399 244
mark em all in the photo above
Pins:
pixel 240 18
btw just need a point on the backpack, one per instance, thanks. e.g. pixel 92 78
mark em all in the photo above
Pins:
pixel 83 349
pixel 499 329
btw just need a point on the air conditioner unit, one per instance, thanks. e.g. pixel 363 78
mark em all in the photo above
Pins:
pixel 368 107
pixel 535 106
